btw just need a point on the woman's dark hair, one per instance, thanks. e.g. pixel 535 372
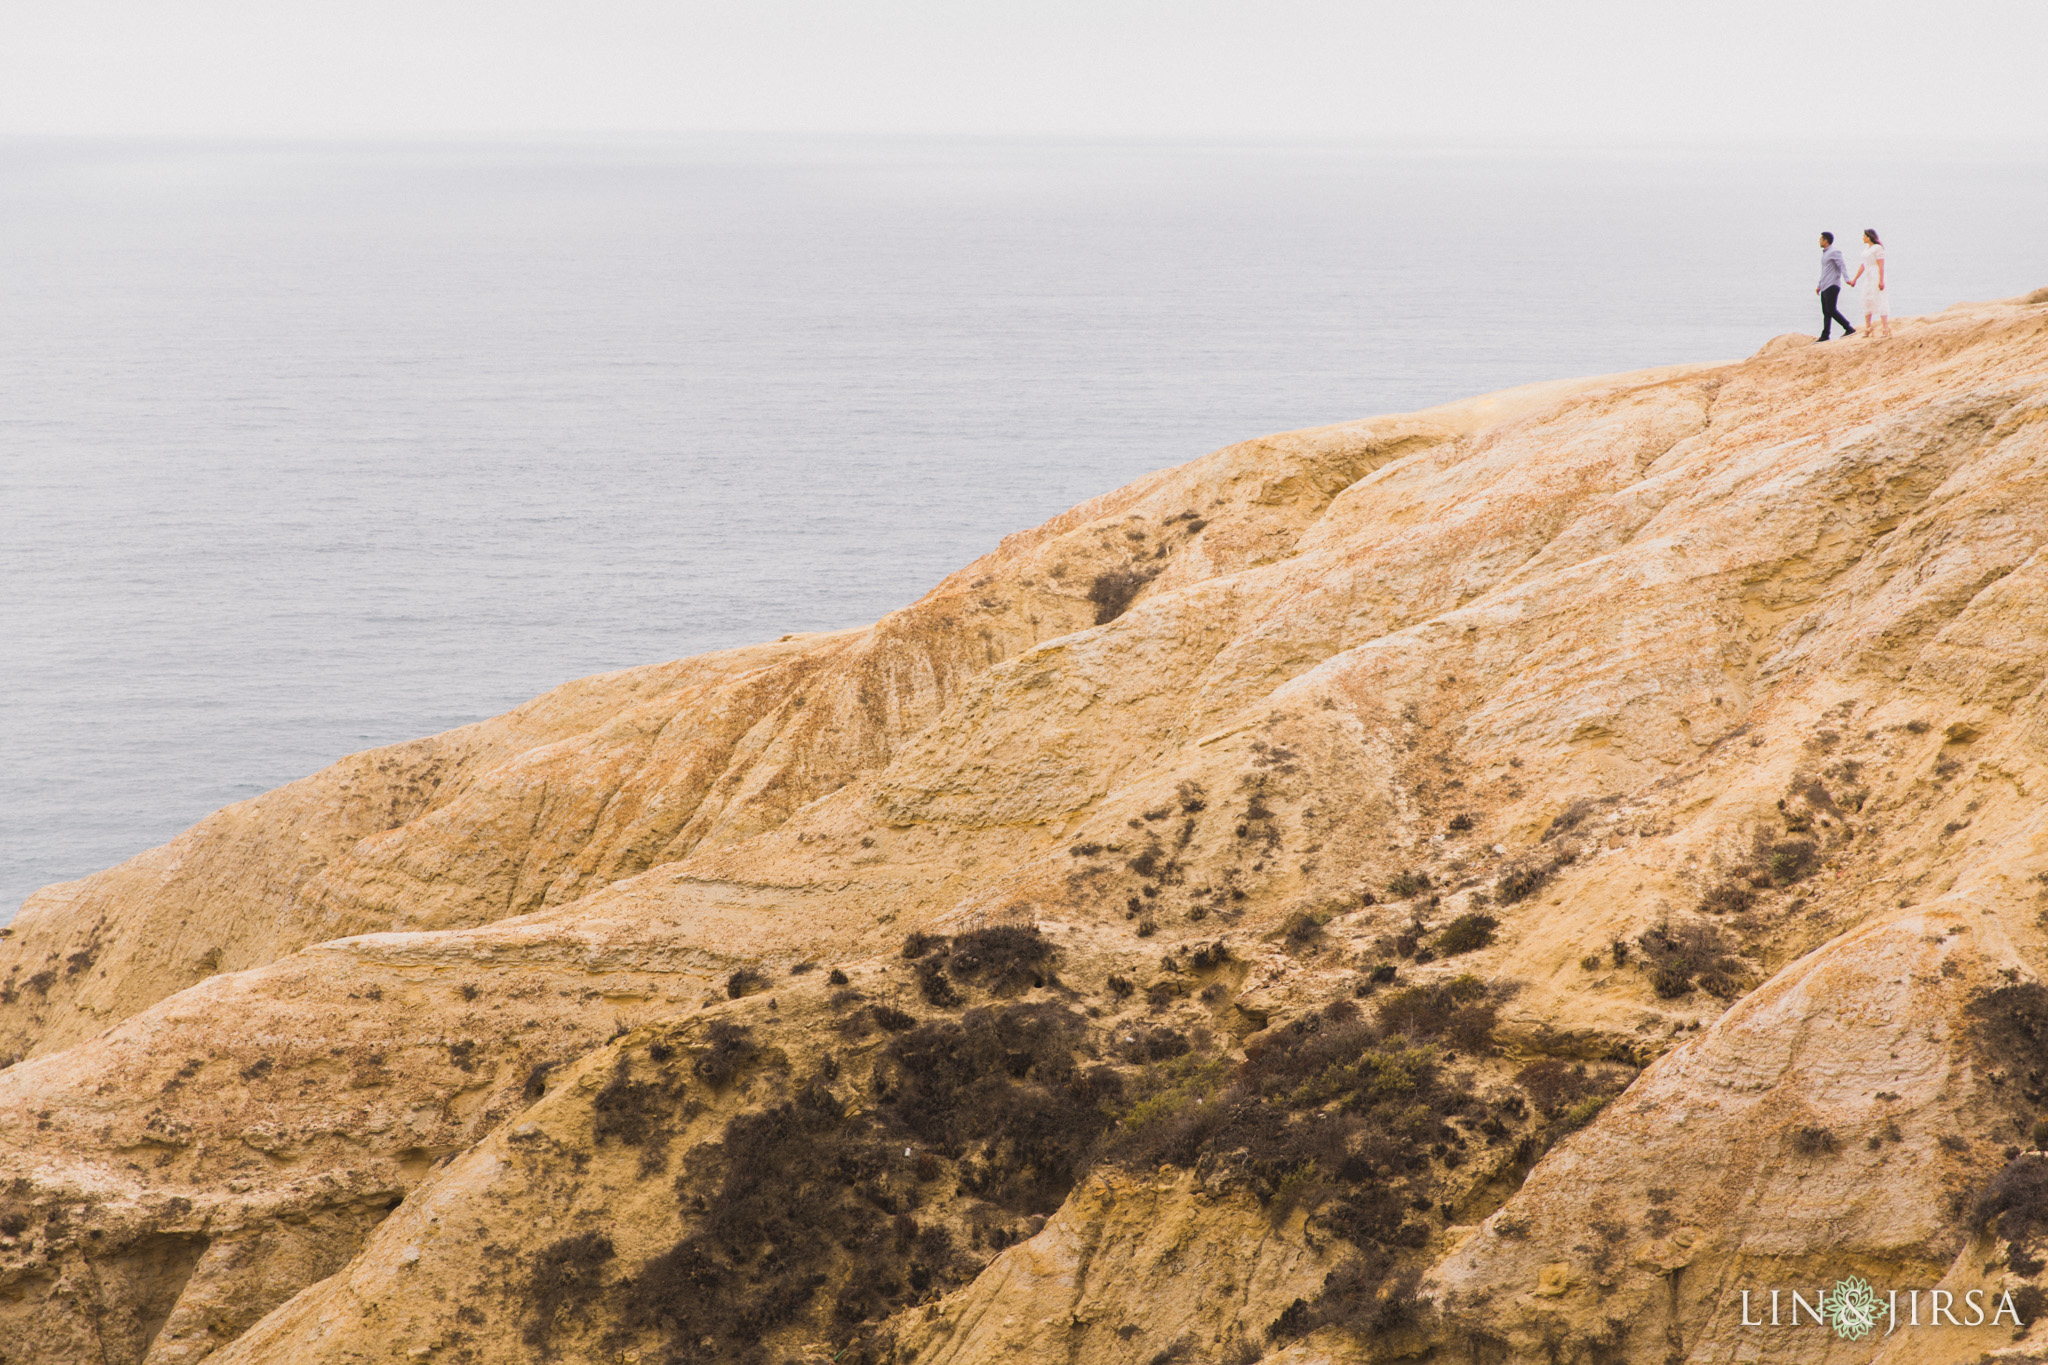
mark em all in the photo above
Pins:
pixel 1871 233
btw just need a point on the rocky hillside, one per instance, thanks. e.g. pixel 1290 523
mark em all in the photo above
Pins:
pixel 1500 883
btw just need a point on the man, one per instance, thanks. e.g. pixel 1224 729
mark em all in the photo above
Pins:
pixel 1832 273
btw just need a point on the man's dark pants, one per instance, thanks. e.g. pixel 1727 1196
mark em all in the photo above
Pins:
pixel 1828 316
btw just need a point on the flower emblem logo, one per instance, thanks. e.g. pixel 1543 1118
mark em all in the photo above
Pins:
pixel 1852 1308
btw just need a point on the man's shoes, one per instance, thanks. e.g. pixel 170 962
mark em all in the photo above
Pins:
pixel 1848 332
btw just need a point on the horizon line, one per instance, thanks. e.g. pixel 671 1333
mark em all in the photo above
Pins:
pixel 1402 140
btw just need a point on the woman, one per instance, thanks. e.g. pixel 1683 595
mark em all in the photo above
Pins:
pixel 1876 306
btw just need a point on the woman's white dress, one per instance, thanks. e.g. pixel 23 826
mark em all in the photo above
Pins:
pixel 1875 302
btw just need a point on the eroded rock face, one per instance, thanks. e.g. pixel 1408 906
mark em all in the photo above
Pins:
pixel 1499 881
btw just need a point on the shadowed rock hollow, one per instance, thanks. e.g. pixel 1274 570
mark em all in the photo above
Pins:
pixel 1494 883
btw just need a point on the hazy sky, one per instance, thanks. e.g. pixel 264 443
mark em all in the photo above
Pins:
pixel 1603 69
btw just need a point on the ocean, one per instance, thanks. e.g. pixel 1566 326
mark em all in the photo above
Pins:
pixel 310 448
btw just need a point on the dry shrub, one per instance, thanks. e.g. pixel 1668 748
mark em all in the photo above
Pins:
pixel 1153 1045
pixel 1333 1113
pixel 1165 991
pixel 564 1274
pixel 2015 1206
pixel 1792 860
pixel 892 1019
pixel 1727 898
pixel 1173 1352
pixel 728 1049
pixel 1406 885
pixel 1150 862
pixel 932 983
pixel 1555 1086
pixel 1456 1013
pixel 917 944
pixel 1364 1296
pixel 808 1221
pixel 1004 960
pixel 796 1187
pixel 745 981
pixel 1114 591
pixel 1574 815
pixel 633 1111
pixel 2011 1025
pixel 1568 1096
pixel 1301 929
pixel 1691 954
pixel 1813 1140
pixel 1241 1351
pixel 1524 880
pixel 1465 934
pixel 999 1090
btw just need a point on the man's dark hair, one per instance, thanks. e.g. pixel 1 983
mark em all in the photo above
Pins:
pixel 1828 237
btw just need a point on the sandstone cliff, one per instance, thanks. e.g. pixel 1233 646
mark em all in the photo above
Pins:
pixel 1495 883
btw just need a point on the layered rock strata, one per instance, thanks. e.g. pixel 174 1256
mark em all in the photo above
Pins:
pixel 1499 883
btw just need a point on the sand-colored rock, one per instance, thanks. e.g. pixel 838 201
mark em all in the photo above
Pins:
pixel 1619 628
pixel 1695 1186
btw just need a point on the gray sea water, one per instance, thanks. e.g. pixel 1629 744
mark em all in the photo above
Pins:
pixel 305 449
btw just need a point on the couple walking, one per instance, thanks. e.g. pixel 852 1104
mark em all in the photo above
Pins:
pixel 1869 277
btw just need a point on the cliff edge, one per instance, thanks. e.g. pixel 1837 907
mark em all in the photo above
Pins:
pixel 1529 880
